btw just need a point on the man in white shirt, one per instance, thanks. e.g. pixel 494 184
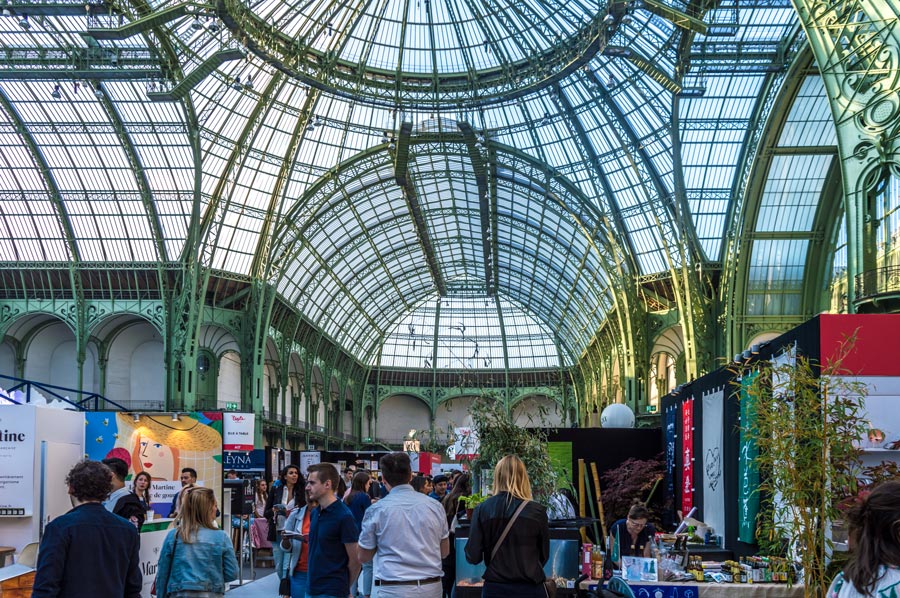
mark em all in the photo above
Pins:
pixel 406 533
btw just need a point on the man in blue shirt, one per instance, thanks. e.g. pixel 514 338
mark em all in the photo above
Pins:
pixel 333 564
pixel 88 552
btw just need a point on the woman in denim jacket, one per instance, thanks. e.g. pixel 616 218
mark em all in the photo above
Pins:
pixel 297 525
pixel 196 558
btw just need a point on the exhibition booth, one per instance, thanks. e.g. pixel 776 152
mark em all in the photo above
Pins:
pixel 39 444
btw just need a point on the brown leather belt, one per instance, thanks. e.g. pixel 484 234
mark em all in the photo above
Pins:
pixel 406 582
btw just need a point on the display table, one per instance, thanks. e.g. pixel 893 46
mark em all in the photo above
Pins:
pixel 156 525
pixel 664 589
pixel 16 581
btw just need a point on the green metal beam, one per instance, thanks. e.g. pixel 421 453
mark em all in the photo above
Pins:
pixel 854 43
pixel 401 173
pixel 76 63
pixel 59 8
pixel 261 256
pixel 140 176
pixel 594 159
pixel 146 23
pixel 676 17
pixel 190 81
pixel 388 87
pixel 487 232
pixel 43 167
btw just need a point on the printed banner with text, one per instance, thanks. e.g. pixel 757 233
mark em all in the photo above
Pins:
pixel 238 431
pixel 159 446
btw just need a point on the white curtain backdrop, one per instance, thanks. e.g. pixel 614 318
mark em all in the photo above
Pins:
pixel 713 449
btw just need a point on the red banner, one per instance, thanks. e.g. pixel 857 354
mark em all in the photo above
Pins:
pixel 687 456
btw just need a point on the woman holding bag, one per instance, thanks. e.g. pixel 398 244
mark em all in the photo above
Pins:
pixel 515 555
pixel 196 558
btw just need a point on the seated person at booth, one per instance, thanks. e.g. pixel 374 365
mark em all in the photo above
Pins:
pixel 634 535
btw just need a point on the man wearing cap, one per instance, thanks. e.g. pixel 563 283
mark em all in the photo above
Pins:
pixel 440 487
pixel 406 535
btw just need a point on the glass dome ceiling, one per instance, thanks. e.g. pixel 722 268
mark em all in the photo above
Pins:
pixel 369 159
pixel 425 53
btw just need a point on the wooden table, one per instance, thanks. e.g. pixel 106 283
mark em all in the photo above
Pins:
pixel 16 581
pixel 665 589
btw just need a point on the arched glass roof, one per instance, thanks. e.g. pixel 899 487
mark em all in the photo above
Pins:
pixel 369 159
pixel 468 333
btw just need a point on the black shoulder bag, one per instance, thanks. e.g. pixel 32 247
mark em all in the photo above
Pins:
pixel 549 584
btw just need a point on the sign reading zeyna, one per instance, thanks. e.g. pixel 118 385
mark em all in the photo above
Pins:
pixel 238 431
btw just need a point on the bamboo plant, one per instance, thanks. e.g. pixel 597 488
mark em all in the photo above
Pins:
pixel 809 421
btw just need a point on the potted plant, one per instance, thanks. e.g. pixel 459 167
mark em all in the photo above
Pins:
pixel 499 436
pixel 807 426
pixel 472 501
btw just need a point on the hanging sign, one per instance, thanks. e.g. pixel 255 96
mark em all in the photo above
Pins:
pixel 713 435
pixel 748 473
pixel 687 454
pixel 671 412
pixel 308 458
pixel 238 430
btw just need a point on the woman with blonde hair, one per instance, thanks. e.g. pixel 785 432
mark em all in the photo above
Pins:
pixel 196 559
pixel 515 555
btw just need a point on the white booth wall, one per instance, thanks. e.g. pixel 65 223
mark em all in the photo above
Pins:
pixel 63 431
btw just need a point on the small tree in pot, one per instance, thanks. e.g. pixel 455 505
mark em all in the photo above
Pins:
pixel 499 436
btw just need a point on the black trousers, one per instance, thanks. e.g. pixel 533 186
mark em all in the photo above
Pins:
pixel 512 590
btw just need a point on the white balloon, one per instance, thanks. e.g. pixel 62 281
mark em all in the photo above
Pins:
pixel 617 415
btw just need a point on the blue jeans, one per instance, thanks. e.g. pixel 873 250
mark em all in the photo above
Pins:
pixel 363 585
pixel 298 584
pixel 282 560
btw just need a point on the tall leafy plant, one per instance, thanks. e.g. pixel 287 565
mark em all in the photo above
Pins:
pixel 809 420
pixel 499 436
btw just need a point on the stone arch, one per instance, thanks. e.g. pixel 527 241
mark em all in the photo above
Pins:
pixel 296 380
pixel 8 359
pixel 317 399
pixel 452 413
pixel 537 411
pixel 135 362
pixel 763 337
pixel 666 365
pixel 271 391
pixel 51 357
pixel 400 413
pixel 348 418
pixel 228 380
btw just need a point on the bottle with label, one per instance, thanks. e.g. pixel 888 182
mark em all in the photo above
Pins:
pixel 597 558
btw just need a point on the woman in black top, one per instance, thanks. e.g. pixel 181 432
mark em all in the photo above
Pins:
pixel 633 533
pixel 518 567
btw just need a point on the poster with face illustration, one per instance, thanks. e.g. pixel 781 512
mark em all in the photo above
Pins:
pixel 156 448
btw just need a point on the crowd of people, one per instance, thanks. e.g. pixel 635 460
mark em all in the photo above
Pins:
pixel 348 535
